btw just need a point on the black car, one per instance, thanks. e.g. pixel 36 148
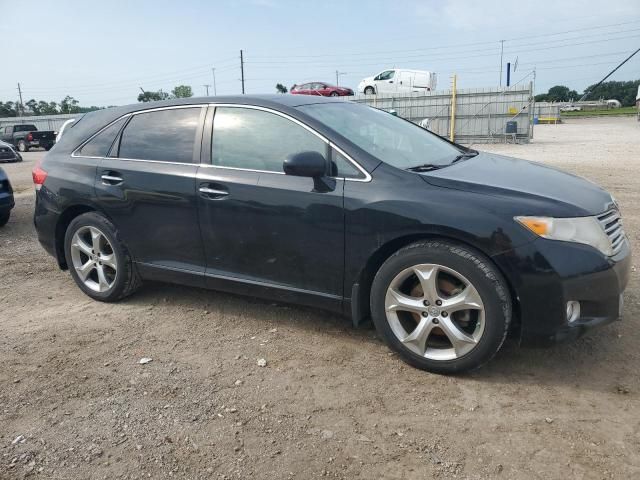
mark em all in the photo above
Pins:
pixel 336 205
pixel 6 198
pixel 8 153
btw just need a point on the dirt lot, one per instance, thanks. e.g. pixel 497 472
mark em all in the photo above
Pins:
pixel 332 401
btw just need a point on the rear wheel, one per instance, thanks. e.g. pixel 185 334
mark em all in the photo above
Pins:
pixel 443 307
pixel 22 146
pixel 98 260
pixel 369 91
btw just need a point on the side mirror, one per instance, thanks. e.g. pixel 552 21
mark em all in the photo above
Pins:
pixel 306 164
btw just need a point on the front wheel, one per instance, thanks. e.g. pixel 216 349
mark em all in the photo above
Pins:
pixel 334 94
pixel 98 260
pixel 22 146
pixel 369 91
pixel 442 307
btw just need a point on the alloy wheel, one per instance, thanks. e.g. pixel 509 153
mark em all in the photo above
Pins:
pixel 93 259
pixel 435 312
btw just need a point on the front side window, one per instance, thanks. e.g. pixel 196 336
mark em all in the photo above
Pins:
pixel 387 75
pixel 99 145
pixel 257 140
pixel 391 139
pixel 162 135
pixel 343 168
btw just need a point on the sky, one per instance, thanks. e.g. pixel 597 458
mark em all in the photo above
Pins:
pixel 103 52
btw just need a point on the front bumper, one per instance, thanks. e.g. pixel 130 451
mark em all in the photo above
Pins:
pixel 546 274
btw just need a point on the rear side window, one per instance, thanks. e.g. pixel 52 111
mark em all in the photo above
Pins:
pixel 99 145
pixel 163 135
pixel 258 140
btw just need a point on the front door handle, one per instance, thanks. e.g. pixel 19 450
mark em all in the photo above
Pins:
pixel 111 178
pixel 212 193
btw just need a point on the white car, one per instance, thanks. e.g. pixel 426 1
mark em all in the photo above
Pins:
pixel 570 108
pixel 398 80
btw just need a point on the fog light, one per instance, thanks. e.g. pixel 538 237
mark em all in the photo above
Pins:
pixel 573 311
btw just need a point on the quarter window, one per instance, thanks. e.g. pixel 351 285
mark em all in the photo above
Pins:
pixel 163 135
pixel 343 168
pixel 100 144
pixel 258 140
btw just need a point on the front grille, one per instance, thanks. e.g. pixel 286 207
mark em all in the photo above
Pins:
pixel 612 224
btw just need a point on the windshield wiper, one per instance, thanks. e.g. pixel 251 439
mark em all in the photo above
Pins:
pixel 465 155
pixel 427 167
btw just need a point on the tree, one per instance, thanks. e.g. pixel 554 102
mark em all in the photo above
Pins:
pixel 33 106
pixel 625 92
pixel 7 109
pixel 182 91
pixel 559 93
pixel 69 105
pixel 45 108
pixel 152 96
pixel 281 88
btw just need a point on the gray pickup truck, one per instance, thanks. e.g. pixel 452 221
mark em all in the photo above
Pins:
pixel 26 136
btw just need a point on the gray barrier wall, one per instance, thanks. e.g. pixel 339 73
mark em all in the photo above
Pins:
pixel 481 115
pixel 42 122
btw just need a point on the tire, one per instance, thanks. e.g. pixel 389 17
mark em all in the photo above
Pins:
pixel 22 146
pixel 334 94
pixel 48 147
pixel 4 218
pixel 421 334
pixel 369 91
pixel 119 277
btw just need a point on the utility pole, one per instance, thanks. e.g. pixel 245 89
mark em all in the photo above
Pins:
pixel 501 52
pixel 338 77
pixel 608 75
pixel 20 95
pixel 213 71
pixel 242 70
pixel 508 74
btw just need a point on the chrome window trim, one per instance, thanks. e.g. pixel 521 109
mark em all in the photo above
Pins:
pixel 367 176
pixel 75 154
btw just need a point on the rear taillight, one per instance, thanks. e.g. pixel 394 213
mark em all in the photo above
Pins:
pixel 39 176
pixel 29 137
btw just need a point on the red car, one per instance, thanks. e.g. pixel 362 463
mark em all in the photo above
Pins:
pixel 322 89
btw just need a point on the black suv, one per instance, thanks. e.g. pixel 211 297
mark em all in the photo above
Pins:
pixel 337 205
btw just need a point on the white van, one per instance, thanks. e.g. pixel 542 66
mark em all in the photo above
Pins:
pixel 398 80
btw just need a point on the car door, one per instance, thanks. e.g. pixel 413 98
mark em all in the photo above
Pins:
pixel 386 82
pixel 147 187
pixel 405 81
pixel 263 230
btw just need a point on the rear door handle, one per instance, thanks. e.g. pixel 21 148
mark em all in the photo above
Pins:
pixel 212 193
pixel 111 178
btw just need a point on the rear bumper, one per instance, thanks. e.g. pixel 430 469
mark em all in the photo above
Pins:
pixel 546 274
pixel 45 221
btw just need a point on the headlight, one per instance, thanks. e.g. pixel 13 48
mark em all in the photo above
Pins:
pixel 585 230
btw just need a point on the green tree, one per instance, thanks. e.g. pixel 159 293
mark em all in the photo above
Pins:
pixel 281 88
pixel 33 106
pixel 50 108
pixel 152 96
pixel 69 105
pixel 624 92
pixel 7 109
pixel 182 91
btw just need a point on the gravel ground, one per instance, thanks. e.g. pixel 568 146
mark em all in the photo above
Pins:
pixel 331 401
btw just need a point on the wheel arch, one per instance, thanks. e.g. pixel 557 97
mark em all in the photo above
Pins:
pixel 361 289
pixel 65 218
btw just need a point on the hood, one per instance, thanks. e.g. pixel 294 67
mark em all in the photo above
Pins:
pixel 541 189
pixel 366 80
pixel 5 144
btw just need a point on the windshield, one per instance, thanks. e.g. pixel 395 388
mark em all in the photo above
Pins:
pixel 24 128
pixel 385 136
